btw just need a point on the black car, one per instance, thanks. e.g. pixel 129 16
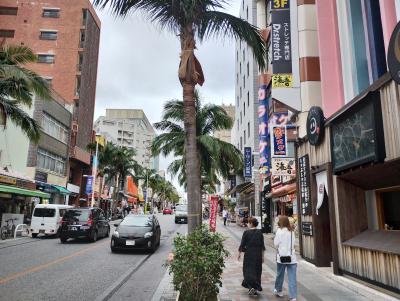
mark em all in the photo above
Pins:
pixel 137 232
pixel 88 223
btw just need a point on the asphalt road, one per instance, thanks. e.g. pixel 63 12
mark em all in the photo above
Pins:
pixel 45 269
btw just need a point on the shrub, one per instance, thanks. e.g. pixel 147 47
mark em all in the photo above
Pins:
pixel 198 264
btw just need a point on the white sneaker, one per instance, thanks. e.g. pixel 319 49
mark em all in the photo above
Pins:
pixel 278 294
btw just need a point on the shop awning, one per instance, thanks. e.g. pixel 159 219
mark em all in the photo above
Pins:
pixel 62 190
pixel 26 192
pixel 240 187
pixel 283 190
pixel 50 188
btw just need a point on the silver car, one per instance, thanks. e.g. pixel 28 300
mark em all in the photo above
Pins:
pixel 181 214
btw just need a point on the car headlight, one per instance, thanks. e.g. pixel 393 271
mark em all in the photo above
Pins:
pixel 148 234
pixel 116 234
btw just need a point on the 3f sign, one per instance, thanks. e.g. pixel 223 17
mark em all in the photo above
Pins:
pixel 280 3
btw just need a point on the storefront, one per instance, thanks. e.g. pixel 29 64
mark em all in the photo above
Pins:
pixel 58 194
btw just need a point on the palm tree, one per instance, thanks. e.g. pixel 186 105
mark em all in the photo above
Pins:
pixel 216 156
pixel 18 86
pixel 192 21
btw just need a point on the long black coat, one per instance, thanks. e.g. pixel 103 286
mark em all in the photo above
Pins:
pixel 252 245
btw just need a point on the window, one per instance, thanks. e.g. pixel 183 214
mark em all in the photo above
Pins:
pixel 237 124
pixel 46 58
pixel 248 69
pixel 84 16
pixel 54 128
pixel 44 212
pixel 241 143
pixel 244 109
pixel 51 13
pixel 244 82
pixel 244 55
pixel 244 137
pixel 240 90
pixel 237 55
pixel 48 35
pixel 248 129
pixel 49 80
pixel 8 11
pixel 50 162
pixel 237 101
pixel 388 207
pixel 248 98
pixel 237 78
pixel 240 68
pixel 78 86
pixel 7 33
pixel 240 117
pixel 82 38
pixel 247 13
pixel 80 61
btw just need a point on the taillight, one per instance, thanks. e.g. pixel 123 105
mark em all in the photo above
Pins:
pixel 90 222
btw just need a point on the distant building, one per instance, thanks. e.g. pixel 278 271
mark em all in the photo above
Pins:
pixel 130 128
pixel 65 36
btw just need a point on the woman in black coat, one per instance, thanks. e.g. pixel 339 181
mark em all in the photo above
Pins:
pixel 252 246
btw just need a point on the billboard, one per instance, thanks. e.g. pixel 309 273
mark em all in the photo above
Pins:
pixel 283 167
pixel 278 141
pixel 247 162
pixel 264 95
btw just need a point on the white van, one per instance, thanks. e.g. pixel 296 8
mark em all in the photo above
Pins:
pixel 46 218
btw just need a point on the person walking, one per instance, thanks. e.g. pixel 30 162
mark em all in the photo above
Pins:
pixel 225 215
pixel 285 258
pixel 252 245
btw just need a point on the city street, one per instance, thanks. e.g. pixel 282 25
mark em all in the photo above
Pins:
pixel 45 269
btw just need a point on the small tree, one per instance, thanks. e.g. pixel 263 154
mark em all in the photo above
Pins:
pixel 198 264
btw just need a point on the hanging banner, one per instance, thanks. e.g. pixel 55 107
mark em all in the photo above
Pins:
pixel 322 188
pixel 264 94
pixel 278 141
pixel 283 167
pixel 213 213
pixel 247 162
pixel 89 185
pixel 304 183
pixel 281 45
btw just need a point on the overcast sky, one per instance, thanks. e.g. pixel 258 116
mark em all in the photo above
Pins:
pixel 138 67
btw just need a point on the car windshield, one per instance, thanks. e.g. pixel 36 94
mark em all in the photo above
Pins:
pixel 77 215
pixel 44 212
pixel 181 208
pixel 137 221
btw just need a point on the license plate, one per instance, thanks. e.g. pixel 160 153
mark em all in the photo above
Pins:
pixel 41 231
pixel 73 229
pixel 130 242
pixel 182 219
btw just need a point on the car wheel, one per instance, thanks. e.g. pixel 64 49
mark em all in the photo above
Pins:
pixel 113 250
pixel 62 239
pixel 108 232
pixel 34 235
pixel 94 236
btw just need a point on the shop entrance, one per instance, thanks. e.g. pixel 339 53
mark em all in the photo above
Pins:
pixel 388 208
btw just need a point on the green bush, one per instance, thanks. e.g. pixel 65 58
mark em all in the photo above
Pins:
pixel 198 265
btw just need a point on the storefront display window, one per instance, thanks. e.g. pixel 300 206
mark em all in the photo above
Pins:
pixel 388 205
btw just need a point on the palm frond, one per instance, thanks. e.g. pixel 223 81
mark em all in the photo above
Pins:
pixel 16 54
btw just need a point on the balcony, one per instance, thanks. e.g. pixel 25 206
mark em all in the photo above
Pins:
pixel 79 154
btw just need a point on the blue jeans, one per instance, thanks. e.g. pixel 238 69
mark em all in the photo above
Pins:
pixel 280 276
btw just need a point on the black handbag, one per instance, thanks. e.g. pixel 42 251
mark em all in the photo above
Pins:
pixel 287 259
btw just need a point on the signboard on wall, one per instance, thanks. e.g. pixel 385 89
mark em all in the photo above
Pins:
pixel 307 228
pixel 281 44
pixel 283 166
pixel 315 125
pixel 304 183
pixel 247 162
pixel 41 176
pixel 213 213
pixel 278 141
pixel 393 54
pixel 89 185
pixel 264 94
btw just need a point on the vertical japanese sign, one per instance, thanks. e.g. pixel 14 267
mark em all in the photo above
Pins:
pixel 281 45
pixel 304 182
pixel 247 162
pixel 89 185
pixel 278 141
pixel 264 93
pixel 213 213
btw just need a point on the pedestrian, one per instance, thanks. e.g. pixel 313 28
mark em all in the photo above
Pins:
pixel 252 245
pixel 224 215
pixel 285 258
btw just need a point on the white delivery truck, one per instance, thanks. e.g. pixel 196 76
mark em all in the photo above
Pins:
pixel 46 219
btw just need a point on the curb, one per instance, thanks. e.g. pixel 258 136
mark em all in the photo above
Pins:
pixel 164 283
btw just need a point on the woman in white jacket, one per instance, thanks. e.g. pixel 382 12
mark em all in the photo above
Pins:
pixel 285 258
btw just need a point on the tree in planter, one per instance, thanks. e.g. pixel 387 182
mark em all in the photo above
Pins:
pixel 198 264
pixel 192 21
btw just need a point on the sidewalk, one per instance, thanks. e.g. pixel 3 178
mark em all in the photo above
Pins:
pixel 314 284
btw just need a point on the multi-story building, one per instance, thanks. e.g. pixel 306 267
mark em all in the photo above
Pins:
pixel 130 128
pixel 65 36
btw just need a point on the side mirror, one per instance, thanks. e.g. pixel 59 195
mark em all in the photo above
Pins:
pixel 116 225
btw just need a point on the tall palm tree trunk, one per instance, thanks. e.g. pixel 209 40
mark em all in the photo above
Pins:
pixel 188 77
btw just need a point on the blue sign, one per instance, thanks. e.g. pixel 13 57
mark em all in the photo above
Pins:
pixel 89 185
pixel 279 141
pixel 264 95
pixel 247 162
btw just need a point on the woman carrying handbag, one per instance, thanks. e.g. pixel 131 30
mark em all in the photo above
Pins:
pixel 285 258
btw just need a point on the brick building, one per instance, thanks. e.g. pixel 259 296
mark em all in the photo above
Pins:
pixel 65 35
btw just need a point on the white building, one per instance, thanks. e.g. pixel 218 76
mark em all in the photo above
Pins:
pixel 245 130
pixel 130 128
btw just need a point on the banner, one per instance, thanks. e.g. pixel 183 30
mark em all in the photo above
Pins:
pixel 304 183
pixel 89 185
pixel 247 162
pixel 283 167
pixel 264 94
pixel 278 141
pixel 281 44
pixel 213 213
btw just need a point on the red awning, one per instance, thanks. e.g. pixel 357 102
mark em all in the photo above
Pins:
pixel 132 200
pixel 283 190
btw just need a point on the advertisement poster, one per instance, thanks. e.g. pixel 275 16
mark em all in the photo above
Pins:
pixel 264 94
pixel 247 162
pixel 89 185
pixel 213 213
pixel 304 182
pixel 278 141
pixel 281 44
pixel 283 167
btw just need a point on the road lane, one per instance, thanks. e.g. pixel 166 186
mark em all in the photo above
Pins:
pixel 49 270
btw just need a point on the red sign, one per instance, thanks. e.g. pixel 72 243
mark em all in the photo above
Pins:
pixel 213 213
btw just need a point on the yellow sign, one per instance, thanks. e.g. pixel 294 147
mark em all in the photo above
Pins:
pixel 277 4
pixel 283 80
pixel 101 140
pixel 8 180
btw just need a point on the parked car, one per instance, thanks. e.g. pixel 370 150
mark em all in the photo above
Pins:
pixel 167 211
pixel 137 232
pixel 181 214
pixel 88 223
pixel 46 219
